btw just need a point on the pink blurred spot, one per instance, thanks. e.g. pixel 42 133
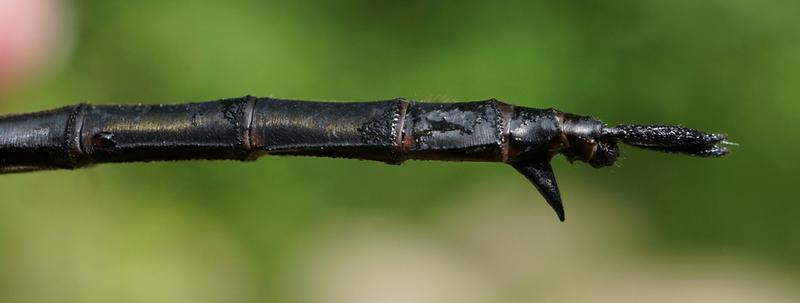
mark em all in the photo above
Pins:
pixel 30 30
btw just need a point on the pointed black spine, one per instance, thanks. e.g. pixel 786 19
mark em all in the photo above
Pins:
pixel 541 175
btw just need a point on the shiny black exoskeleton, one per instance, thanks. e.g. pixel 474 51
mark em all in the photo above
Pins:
pixel 391 131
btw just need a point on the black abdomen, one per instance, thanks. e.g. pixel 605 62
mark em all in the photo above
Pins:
pixel 455 131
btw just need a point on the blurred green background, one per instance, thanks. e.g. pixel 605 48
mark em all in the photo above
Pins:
pixel 287 229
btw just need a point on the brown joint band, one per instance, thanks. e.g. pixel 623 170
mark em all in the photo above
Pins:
pixel 407 136
pixel 505 113
pixel 246 125
pixel 562 142
pixel 75 155
pixel 399 149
